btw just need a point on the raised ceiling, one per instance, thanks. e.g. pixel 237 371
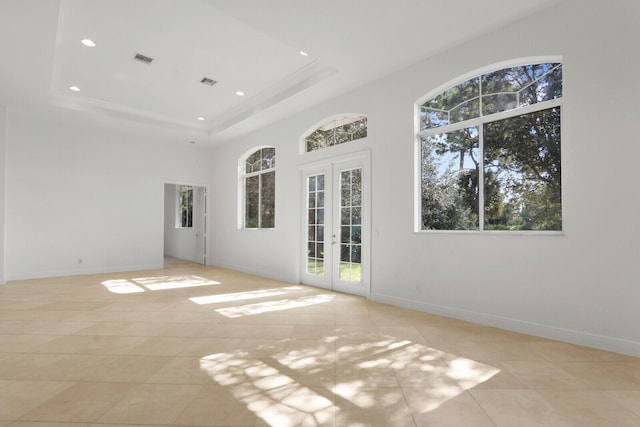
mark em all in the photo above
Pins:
pixel 252 46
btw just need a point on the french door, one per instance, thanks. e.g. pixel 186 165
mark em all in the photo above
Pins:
pixel 335 211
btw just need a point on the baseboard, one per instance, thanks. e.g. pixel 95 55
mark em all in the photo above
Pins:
pixel 256 272
pixel 81 272
pixel 601 342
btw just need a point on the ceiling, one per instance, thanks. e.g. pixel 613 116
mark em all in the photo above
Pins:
pixel 252 46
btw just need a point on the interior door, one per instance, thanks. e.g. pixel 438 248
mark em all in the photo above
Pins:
pixel 200 224
pixel 336 226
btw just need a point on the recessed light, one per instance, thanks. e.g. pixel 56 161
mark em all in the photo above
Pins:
pixel 74 88
pixel 240 93
pixel 88 42
pixel 201 118
pixel 303 53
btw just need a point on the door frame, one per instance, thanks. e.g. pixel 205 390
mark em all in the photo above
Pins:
pixel 201 250
pixel 329 166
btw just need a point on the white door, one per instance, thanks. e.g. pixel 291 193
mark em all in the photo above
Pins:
pixel 200 224
pixel 336 226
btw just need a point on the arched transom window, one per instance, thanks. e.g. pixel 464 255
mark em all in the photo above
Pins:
pixel 490 152
pixel 258 187
pixel 336 131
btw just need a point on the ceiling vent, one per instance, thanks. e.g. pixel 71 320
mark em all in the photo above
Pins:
pixel 143 58
pixel 208 81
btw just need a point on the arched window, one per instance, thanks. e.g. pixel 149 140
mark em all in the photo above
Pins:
pixel 334 131
pixel 258 188
pixel 489 152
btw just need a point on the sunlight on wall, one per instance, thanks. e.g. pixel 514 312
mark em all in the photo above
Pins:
pixel 128 286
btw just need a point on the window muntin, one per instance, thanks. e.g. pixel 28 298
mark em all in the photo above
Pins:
pixel 494 92
pixel 184 219
pixel 259 188
pixel 500 172
pixel 336 131
pixel 260 160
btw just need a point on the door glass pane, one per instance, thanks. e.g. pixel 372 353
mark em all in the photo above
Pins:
pixel 356 234
pixel 350 228
pixel 315 214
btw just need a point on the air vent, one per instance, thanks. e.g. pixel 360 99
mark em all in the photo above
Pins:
pixel 143 58
pixel 208 81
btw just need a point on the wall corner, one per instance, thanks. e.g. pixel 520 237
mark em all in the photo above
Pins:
pixel 4 132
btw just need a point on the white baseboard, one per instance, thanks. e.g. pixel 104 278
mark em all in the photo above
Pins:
pixel 601 342
pixel 80 272
pixel 256 272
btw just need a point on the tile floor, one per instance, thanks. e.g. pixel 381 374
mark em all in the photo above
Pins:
pixel 201 346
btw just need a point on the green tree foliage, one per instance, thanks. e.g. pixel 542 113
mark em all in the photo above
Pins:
pixel 337 132
pixel 260 189
pixel 186 206
pixel 524 152
pixel 446 204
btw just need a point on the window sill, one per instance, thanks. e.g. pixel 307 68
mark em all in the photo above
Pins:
pixel 494 232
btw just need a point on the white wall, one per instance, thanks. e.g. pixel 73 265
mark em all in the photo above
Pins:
pixel 266 252
pixel 3 166
pixel 80 194
pixel 581 286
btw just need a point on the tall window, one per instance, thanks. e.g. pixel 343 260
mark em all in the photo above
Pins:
pixel 336 131
pixel 490 152
pixel 259 186
pixel 185 207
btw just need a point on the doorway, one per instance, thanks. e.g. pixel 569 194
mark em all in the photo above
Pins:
pixel 335 212
pixel 185 222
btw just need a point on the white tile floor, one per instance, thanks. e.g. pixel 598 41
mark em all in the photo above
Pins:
pixel 200 346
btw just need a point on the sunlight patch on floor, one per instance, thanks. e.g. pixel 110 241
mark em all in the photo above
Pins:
pixel 240 296
pixel 271 306
pixel 121 286
pixel 174 282
pixel 274 388
pixel 157 283
pixel 274 397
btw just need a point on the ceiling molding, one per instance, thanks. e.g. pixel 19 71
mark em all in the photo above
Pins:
pixel 287 87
